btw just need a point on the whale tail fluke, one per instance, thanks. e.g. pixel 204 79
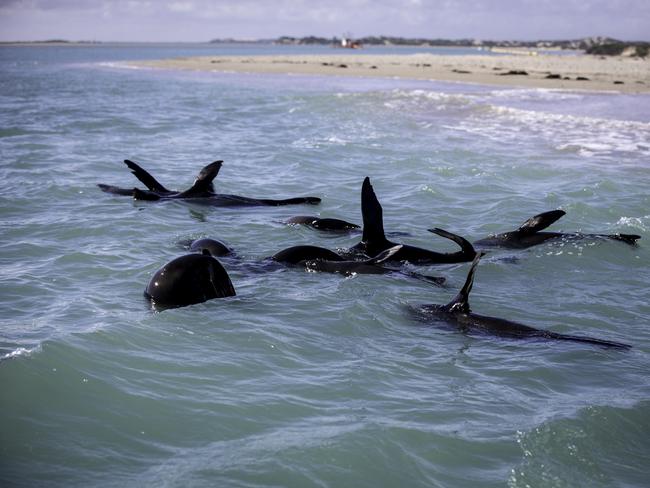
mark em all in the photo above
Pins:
pixel 467 248
pixel 145 178
pixel 540 222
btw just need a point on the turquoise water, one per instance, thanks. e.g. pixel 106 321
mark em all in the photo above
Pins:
pixel 308 379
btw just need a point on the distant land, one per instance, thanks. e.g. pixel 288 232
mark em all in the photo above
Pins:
pixel 591 45
pixel 604 46
pixel 48 41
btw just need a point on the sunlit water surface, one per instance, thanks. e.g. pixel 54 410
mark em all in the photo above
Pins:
pixel 308 379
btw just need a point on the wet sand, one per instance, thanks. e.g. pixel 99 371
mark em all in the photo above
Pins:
pixel 621 74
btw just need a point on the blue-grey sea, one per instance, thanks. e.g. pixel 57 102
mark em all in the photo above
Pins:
pixel 313 379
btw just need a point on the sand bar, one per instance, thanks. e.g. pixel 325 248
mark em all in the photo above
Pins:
pixel 622 74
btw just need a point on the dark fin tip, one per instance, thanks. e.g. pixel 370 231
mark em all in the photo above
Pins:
pixel 541 221
pixel 466 246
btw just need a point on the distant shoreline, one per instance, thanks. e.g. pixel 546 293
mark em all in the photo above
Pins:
pixel 591 45
pixel 54 42
pixel 585 72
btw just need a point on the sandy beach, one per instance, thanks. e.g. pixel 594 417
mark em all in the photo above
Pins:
pixel 621 74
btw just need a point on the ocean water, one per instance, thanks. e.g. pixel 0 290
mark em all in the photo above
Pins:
pixel 307 379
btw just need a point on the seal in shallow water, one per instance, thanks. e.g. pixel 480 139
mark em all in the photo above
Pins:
pixel 369 266
pixel 529 234
pixel 373 240
pixel 325 224
pixel 189 279
pixel 458 313
pixel 202 191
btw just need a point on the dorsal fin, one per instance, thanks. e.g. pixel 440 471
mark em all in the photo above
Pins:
pixel 384 255
pixel 372 213
pixel 203 182
pixel 460 303
pixel 540 222
pixel 146 179
pixel 465 245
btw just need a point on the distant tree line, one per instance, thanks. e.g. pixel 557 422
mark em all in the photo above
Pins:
pixel 591 45
pixel 639 49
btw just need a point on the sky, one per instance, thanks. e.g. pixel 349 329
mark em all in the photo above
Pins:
pixel 203 20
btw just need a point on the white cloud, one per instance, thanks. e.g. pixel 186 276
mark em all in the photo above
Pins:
pixel 181 7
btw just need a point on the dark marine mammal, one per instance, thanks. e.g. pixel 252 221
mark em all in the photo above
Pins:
pixel 301 254
pixel 368 266
pixel 529 234
pixel 325 224
pixel 155 188
pixel 373 240
pixel 214 247
pixel 189 279
pixel 315 258
pixel 201 191
pixel 458 313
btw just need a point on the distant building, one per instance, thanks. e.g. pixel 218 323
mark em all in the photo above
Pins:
pixel 348 43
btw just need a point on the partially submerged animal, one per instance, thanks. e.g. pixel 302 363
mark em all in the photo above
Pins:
pixel 529 234
pixel 324 224
pixel 156 189
pixel 189 279
pixel 373 240
pixel 333 225
pixel 458 313
pixel 298 255
pixel 202 191
pixel 214 247
pixel 368 266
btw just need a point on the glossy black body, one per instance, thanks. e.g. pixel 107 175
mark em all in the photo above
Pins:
pixel 458 314
pixel 201 192
pixel 300 254
pixel 373 240
pixel 529 234
pixel 324 224
pixel 212 246
pixel 189 279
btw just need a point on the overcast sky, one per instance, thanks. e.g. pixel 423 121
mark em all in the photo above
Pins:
pixel 203 20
